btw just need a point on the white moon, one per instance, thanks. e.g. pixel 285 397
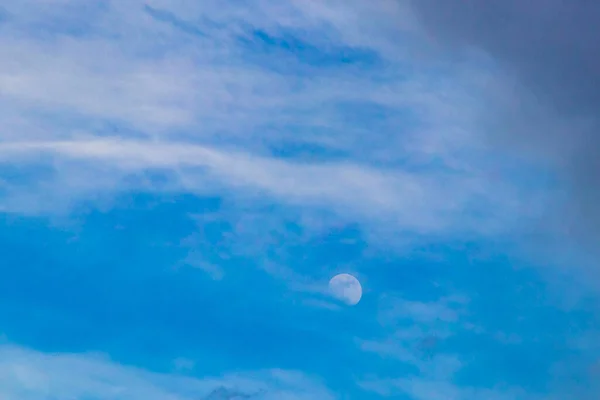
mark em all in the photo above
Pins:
pixel 346 288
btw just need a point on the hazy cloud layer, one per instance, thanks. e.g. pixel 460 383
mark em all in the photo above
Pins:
pixel 548 105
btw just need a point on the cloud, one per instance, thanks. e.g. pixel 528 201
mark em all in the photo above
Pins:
pixel 413 330
pixel 546 100
pixel 212 98
pixel 416 335
pixel 32 375
pixel 425 389
pixel 412 201
pixel 446 310
pixel 416 342
pixel 439 347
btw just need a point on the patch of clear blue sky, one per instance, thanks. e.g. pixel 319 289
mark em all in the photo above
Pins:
pixel 114 282
pixel 135 304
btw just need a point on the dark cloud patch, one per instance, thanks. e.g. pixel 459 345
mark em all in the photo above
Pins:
pixel 222 393
pixel 550 52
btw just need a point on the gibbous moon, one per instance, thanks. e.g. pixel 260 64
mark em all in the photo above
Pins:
pixel 346 288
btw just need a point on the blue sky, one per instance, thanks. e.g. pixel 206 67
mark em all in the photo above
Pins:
pixel 179 181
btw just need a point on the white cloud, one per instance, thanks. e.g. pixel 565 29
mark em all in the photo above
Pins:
pixel 32 375
pixel 412 332
pixel 416 330
pixel 415 202
pixel 132 93
pixel 444 310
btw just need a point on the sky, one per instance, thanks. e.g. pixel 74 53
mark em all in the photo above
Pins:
pixel 179 180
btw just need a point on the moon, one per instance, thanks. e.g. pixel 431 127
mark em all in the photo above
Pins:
pixel 346 288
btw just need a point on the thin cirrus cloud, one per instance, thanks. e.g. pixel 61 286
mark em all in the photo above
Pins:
pixel 32 375
pixel 135 88
pixel 413 201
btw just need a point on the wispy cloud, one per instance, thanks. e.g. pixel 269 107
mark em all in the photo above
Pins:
pixel 183 88
pixel 425 389
pixel 412 201
pixel 31 375
pixel 414 329
pixel 427 343
pixel 417 338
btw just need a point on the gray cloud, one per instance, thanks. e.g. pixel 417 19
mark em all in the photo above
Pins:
pixel 222 393
pixel 550 58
